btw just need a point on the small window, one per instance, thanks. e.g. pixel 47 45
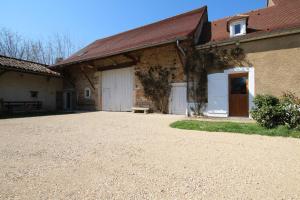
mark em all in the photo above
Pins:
pixel 238 28
pixel 239 85
pixel 34 94
pixel 87 93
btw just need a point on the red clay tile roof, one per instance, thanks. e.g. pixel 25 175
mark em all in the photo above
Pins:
pixel 8 63
pixel 278 1
pixel 284 15
pixel 169 30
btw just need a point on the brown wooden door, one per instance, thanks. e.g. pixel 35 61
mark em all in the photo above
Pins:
pixel 238 95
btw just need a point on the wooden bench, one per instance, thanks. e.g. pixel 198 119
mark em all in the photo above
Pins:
pixel 21 106
pixel 139 109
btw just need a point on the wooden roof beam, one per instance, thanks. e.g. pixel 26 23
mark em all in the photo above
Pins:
pixel 87 77
pixel 132 58
pixel 118 66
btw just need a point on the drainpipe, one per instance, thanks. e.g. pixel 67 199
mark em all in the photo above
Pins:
pixel 180 49
pixel 187 75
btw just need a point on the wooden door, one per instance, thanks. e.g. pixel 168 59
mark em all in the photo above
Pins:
pixel 178 100
pixel 238 95
pixel 117 89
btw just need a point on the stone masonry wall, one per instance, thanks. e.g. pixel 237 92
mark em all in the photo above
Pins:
pixel 77 77
pixel 166 56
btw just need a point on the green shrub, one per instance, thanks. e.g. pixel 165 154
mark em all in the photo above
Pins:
pixel 290 104
pixel 268 112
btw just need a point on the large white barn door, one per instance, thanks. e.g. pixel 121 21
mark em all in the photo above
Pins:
pixel 178 100
pixel 117 90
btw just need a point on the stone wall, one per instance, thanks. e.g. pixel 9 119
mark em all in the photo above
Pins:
pixel 276 62
pixel 75 80
pixel 165 56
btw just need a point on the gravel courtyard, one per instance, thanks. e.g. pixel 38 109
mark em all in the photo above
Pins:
pixel 135 156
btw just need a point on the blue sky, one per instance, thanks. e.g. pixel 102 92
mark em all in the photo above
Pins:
pixel 88 20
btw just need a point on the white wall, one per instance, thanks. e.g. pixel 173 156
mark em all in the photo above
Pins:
pixel 15 86
pixel 218 103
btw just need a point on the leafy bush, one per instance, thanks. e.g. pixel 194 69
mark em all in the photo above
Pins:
pixel 270 111
pixel 291 106
pixel 267 112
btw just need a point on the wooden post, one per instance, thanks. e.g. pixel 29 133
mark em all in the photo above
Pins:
pixel 87 77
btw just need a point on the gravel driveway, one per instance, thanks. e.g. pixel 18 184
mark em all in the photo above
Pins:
pixel 135 156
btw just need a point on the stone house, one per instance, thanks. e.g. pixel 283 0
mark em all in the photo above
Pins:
pixel 270 39
pixel 102 76
pixel 28 86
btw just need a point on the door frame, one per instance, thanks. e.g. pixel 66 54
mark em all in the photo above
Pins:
pixel 238 75
pixel 218 103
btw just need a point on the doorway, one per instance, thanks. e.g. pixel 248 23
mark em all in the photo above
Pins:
pixel 68 100
pixel 238 95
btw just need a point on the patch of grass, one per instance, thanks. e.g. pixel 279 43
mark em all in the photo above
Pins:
pixel 234 127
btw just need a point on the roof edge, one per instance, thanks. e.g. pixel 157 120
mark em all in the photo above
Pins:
pixel 264 35
pixel 119 52
pixel 204 8
pixel 9 68
pixel 19 59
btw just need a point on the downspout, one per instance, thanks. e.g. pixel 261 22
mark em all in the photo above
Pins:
pixel 181 49
pixel 183 53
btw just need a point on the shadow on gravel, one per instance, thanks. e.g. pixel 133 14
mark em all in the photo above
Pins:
pixel 38 114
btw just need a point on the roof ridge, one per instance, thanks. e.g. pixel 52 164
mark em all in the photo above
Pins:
pixel 19 59
pixel 198 10
pixel 246 13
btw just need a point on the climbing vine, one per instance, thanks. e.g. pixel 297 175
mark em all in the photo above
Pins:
pixel 156 82
pixel 197 66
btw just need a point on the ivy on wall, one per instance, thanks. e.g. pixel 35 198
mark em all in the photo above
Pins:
pixel 196 70
pixel 156 82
